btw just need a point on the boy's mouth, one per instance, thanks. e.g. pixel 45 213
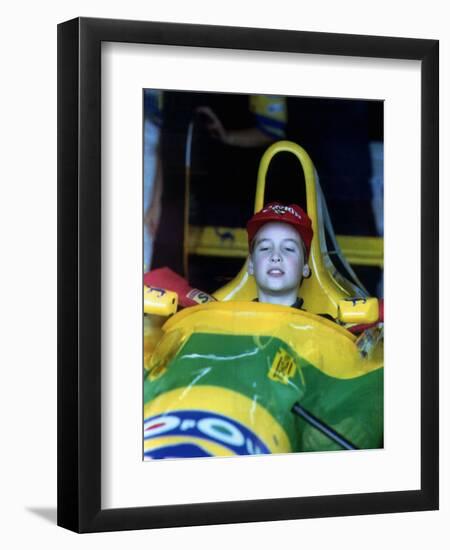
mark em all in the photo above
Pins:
pixel 275 272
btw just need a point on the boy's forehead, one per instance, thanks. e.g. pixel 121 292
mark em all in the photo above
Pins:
pixel 277 230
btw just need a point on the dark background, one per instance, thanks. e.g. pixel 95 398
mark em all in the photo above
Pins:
pixel 336 134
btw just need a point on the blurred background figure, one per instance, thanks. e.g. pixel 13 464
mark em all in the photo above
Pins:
pixel 376 146
pixel 152 170
pixel 269 113
pixel 377 183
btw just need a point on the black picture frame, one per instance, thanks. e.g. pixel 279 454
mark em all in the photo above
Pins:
pixel 79 274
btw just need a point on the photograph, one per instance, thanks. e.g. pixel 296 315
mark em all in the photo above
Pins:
pixel 263 274
pixel 208 211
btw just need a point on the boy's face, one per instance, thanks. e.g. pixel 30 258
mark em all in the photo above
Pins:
pixel 277 260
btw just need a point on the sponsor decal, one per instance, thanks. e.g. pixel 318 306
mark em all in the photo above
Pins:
pixel 199 296
pixel 198 433
pixel 178 450
pixel 281 210
pixel 225 236
pixel 283 367
pixel 155 289
pixel 180 411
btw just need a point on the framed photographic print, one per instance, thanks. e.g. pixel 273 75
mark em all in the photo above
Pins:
pixel 228 252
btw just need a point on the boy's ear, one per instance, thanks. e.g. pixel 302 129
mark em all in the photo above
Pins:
pixel 306 271
pixel 250 266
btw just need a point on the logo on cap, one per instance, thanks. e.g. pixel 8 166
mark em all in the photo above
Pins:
pixel 281 209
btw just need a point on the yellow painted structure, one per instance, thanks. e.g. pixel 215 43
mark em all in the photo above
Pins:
pixel 231 242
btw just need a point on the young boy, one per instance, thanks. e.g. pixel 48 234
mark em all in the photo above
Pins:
pixel 279 238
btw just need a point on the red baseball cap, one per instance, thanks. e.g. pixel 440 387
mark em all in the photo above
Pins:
pixel 277 212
